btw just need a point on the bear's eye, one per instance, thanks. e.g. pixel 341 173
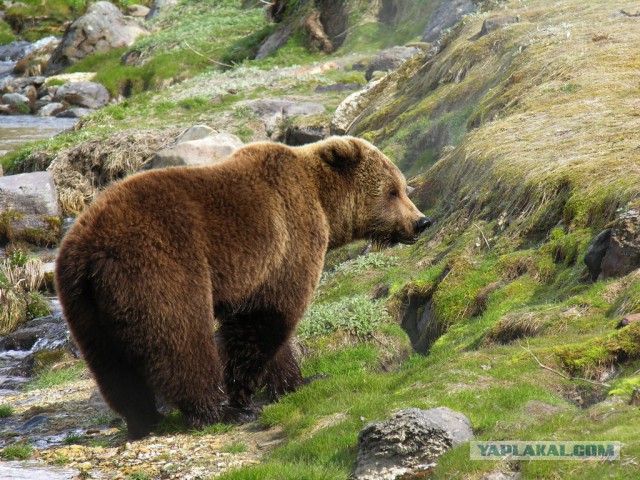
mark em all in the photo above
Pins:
pixel 394 193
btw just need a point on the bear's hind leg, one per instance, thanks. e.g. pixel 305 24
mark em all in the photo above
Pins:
pixel 190 374
pixel 125 391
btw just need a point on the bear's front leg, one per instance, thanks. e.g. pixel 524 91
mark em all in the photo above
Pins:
pixel 250 341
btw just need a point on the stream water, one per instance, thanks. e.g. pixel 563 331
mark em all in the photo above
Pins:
pixel 16 130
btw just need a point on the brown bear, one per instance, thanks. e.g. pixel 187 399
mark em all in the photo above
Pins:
pixel 158 256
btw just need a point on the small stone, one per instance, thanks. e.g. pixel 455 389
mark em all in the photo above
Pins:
pixel 14 99
pixel 409 442
pixel 495 23
pixel 74 113
pixel 83 94
pixel 51 109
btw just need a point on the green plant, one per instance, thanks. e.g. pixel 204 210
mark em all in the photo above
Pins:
pixel 19 451
pixel 6 34
pixel 37 305
pixel 138 476
pixel 358 315
pixel 215 429
pixel 6 410
pixel 235 448
pixel 73 439
pixel 60 376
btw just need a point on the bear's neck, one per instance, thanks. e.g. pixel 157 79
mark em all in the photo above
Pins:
pixel 340 206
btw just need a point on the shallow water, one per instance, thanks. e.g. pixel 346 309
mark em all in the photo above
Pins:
pixel 16 130
pixel 34 471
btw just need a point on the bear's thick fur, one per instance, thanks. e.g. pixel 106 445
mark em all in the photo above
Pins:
pixel 144 271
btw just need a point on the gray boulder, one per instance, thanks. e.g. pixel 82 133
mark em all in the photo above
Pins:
pixel 274 111
pixel 83 94
pixel 196 132
pixel 160 6
pixel 139 11
pixel 205 151
pixel 29 209
pixel 14 51
pixel 101 29
pixel 623 255
pixel 303 135
pixel 51 109
pixel 390 59
pixel 409 442
pixel 351 107
pixel 36 59
pixel 446 16
pixel 74 113
pixel 14 99
pixel 596 252
pixel 18 84
pixel 274 41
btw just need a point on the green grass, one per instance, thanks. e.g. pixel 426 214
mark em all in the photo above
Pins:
pixel 73 439
pixel 215 429
pixel 52 378
pixel 6 34
pixel 190 39
pixel 235 448
pixel 34 19
pixel 6 410
pixel 358 315
pixel 20 451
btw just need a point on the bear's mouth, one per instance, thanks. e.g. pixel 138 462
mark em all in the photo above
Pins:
pixel 404 239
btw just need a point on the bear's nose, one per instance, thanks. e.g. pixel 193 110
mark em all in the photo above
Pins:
pixel 423 224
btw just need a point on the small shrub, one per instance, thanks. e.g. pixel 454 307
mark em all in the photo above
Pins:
pixel 358 315
pixel 6 410
pixel 72 439
pixel 626 386
pixel 516 325
pixel 19 451
pixel 235 448
pixel 37 306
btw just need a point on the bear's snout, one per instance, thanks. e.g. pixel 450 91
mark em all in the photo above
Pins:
pixel 422 224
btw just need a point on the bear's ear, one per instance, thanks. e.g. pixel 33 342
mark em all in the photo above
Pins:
pixel 341 152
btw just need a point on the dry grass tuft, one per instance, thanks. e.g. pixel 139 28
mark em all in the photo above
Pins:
pixel 516 325
pixel 28 277
pixel 12 310
pixel 81 171
pixel 17 282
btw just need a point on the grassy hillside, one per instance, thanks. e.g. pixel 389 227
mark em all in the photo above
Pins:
pixel 523 144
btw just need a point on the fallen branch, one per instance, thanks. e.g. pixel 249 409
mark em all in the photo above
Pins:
pixel 483 237
pixel 215 62
pixel 566 377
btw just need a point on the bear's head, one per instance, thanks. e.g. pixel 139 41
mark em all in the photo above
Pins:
pixel 381 205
